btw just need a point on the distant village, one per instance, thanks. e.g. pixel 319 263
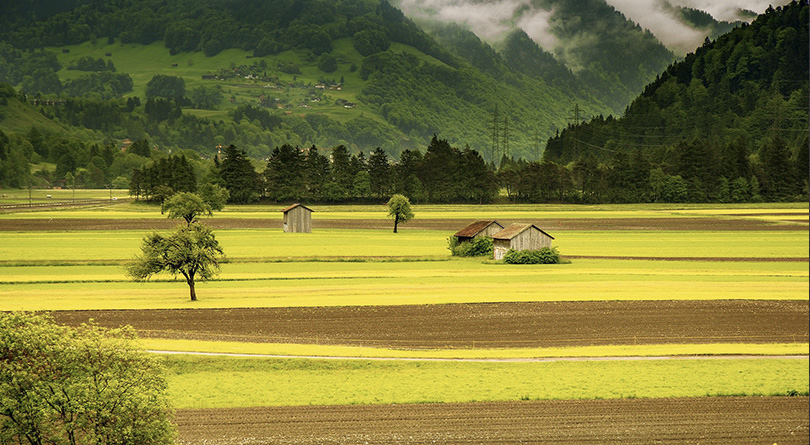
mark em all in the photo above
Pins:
pixel 258 73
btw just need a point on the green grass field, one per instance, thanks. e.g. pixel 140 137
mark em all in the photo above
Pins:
pixel 65 269
pixel 206 382
pixel 471 352
pixel 280 284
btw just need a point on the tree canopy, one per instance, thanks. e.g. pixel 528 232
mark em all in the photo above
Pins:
pixel 187 206
pixel 399 208
pixel 191 251
pixel 86 385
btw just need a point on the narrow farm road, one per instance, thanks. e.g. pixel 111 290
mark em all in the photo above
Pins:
pixel 495 359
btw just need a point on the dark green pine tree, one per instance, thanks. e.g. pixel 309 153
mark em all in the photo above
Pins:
pixel 778 181
pixel 317 173
pixel 342 174
pixel 285 174
pixel 379 172
pixel 240 178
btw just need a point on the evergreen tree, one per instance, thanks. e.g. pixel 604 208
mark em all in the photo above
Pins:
pixel 239 176
pixel 379 173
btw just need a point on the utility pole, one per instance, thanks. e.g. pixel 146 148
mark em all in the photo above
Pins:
pixel 505 137
pixel 494 149
pixel 575 117
pixel 537 145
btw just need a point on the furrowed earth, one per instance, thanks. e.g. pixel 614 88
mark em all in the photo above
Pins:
pixel 502 325
pixel 738 420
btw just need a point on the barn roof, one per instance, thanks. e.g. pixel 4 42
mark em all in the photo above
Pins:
pixel 513 230
pixel 294 206
pixel 475 228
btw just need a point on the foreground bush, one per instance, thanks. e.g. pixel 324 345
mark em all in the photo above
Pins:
pixel 481 246
pixel 86 385
pixel 543 256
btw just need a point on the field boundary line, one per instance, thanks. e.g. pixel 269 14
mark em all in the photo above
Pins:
pixel 493 359
pixel 695 258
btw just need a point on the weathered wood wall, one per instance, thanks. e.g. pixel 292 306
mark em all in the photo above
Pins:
pixel 298 220
pixel 530 239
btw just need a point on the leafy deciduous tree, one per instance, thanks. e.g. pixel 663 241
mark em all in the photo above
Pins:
pixel 399 208
pixel 191 251
pixel 86 385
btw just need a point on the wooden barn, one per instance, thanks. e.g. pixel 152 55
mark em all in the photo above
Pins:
pixel 519 237
pixel 297 218
pixel 478 228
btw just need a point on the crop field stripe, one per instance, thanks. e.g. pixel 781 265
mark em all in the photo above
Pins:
pixel 781 420
pixel 218 382
pixel 255 350
pixel 500 359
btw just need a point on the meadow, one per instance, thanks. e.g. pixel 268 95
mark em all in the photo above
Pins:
pixel 197 382
pixel 67 269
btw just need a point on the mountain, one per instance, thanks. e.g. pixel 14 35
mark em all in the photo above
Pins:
pixel 736 108
pixel 611 57
pixel 269 61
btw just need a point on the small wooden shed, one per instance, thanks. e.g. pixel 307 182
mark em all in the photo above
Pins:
pixel 478 228
pixel 297 218
pixel 519 237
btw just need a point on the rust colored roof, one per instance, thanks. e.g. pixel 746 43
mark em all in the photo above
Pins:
pixel 513 230
pixel 294 206
pixel 475 228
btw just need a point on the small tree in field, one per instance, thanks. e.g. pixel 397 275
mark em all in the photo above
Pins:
pixel 187 206
pixel 399 208
pixel 86 385
pixel 214 195
pixel 191 251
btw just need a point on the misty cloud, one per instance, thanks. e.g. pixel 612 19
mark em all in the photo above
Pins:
pixel 489 20
pixel 662 22
pixel 492 19
pixel 665 25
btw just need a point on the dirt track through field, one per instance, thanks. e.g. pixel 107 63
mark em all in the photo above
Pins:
pixel 738 420
pixel 490 325
pixel 451 225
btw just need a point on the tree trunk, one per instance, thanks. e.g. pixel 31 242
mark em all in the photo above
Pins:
pixel 396 221
pixel 190 282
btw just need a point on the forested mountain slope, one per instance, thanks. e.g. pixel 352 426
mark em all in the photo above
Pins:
pixel 735 108
pixel 398 86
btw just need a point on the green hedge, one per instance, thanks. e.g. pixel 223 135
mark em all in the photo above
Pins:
pixel 481 246
pixel 543 256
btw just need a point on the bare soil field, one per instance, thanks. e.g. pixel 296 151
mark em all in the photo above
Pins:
pixel 586 224
pixel 495 325
pixel 738 420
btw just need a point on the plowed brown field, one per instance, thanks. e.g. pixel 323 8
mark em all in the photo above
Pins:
pixel 737 420
pixel 685 223
pixel 502 325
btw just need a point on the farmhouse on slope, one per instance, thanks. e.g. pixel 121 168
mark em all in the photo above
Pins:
pixel 519 237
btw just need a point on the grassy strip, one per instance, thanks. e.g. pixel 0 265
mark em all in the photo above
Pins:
pixel 388 291
pixel 514 353
pixel 215 382
pixel 445 268
pixel 331 243
pixel 426 211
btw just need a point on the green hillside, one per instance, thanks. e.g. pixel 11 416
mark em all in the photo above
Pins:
pixel 731 114
pixel 288 48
